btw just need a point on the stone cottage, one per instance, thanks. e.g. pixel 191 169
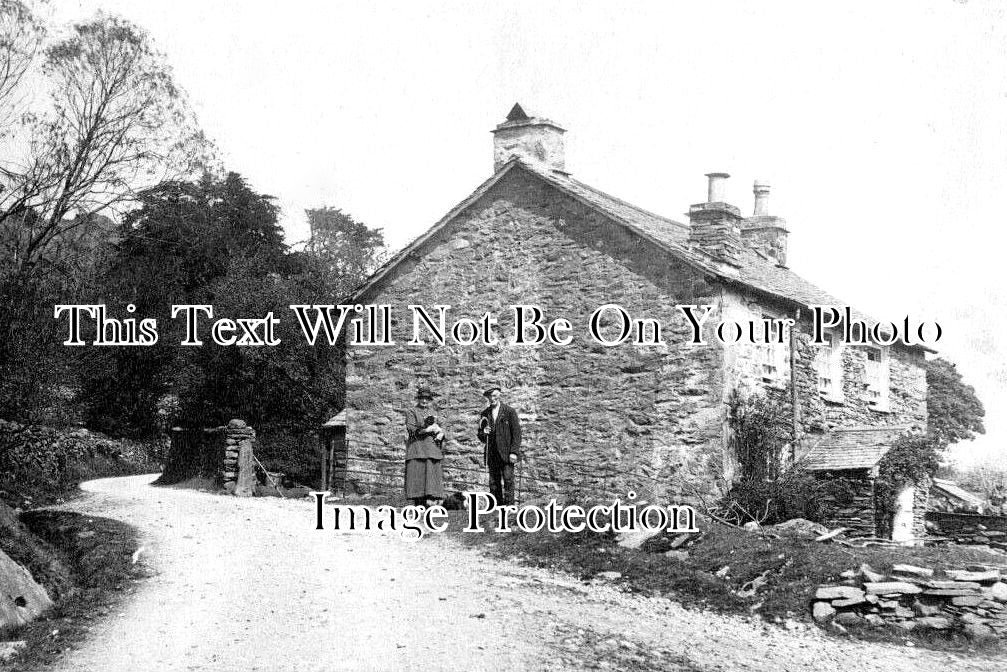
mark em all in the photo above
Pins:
pixel 602 419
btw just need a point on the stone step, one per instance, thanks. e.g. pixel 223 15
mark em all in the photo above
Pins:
pixel 892 588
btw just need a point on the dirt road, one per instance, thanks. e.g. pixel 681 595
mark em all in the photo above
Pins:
pixel 248 584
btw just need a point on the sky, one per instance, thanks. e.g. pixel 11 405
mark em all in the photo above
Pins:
pixel 882 127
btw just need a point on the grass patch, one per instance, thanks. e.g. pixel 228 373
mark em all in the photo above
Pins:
pixel 796 567
pixel 94 557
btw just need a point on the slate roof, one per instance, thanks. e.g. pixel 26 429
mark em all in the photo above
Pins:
pixel 337 420
pixel 954 490
pixel 851 448
pixel 755 271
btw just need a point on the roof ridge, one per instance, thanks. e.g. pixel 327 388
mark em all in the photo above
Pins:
pixel 755 273
pixel 869 428
pixel 407 249
pixel 628 204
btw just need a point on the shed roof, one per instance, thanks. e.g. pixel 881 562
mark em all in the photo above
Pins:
pixel 337 420
pixel 852 449
pixel 954 490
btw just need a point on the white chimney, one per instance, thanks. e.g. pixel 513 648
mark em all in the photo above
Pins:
pixel 763 231
pixel 717 189
pixel 534 140
pixel 761 190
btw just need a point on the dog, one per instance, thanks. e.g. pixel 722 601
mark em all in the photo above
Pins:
pixel 455 502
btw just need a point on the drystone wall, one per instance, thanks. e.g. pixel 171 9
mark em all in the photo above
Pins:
pixel 972 600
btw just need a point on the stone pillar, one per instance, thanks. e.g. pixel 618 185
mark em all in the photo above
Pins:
pixel 239 465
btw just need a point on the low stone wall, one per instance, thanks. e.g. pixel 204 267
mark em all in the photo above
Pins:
pixel 968 528
pixel 968 600
pixel 968 523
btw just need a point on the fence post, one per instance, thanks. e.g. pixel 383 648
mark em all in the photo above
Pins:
pixel 323 445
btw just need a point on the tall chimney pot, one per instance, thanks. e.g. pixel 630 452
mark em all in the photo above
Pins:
pixel 717 187
pixel 761 190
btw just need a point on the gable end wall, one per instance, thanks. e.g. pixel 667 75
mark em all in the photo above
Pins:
pixel 597 421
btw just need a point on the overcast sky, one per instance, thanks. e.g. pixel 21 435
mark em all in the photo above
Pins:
pixel 882 127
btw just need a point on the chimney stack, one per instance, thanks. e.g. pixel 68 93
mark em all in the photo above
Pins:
pixel 761 190
pixel 534 140
pixel 764 232
pixel 715 225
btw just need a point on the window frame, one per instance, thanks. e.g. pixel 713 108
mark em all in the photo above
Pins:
pixel 877 384
pixel 830 358
pixel 773 361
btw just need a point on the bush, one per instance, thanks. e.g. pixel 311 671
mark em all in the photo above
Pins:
pixel 913 459
pixel 765 493
pixel 793 495
pixel 291 451
pixel 40 464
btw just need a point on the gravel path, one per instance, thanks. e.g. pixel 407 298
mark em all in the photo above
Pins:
pixel 248 584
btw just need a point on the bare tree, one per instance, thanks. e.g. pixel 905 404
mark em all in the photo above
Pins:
pixel 100 121
pixel 114 124
pixel 20 39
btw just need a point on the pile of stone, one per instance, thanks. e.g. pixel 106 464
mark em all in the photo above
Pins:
pixel 239 465
pixel 970 600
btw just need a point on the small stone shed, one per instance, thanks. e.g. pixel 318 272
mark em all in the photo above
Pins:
pixel 851 456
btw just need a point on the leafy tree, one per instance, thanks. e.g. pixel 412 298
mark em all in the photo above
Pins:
pixel 342 249
pixel 218 242
pixel 176 248
pixel 954 412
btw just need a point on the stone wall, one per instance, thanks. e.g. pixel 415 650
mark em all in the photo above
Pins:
pixel 587 410
pixel 921 502
pixel 909 598
pixel 907 375
pixel 848 500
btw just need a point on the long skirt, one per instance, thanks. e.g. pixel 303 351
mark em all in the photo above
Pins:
pixel 424 478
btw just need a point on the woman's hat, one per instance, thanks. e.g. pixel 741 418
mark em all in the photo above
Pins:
pixel 425 393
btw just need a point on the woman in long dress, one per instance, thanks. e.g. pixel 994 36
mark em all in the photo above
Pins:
pixel 424 475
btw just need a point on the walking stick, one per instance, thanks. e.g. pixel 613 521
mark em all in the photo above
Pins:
pixel 483 426
pixel 517 467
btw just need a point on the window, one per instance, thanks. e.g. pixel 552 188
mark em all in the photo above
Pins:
pixel 876 377
pixel 829 366
pixel 772 356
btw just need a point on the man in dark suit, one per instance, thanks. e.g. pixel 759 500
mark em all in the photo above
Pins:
pixel 500 430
